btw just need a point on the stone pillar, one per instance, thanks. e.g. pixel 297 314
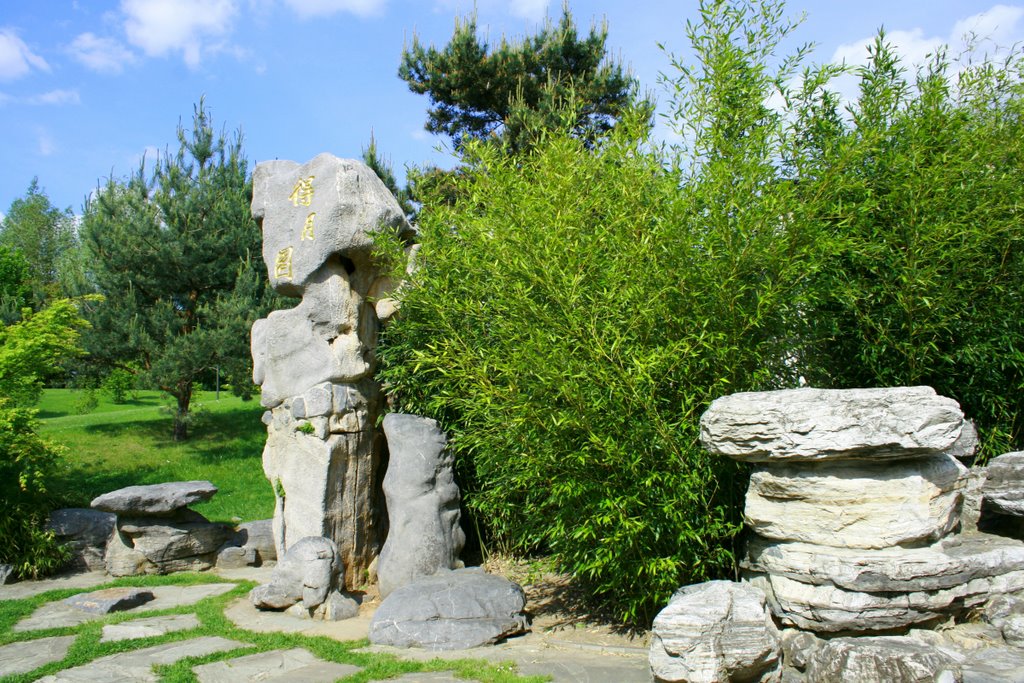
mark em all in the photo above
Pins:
pixel 315 362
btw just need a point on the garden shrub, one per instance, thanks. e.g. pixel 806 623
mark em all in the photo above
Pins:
pixel 118 385
pixel 26 463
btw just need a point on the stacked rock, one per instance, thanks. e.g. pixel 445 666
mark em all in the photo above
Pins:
pixel 315 362
pixel 156 533
pixel 853 504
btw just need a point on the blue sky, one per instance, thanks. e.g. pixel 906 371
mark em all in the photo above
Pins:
pixel 89 86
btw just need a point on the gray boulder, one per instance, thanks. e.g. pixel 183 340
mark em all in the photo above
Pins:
pixel 1003 490
pixel 7 574
pixel 307 574
pixel 424 536
pixel 154 499
pixel 801 425
pixel 715 632
pixel 857 504
pixel 251 545
pixel 841 660
pixel 451 610
pixel 85 533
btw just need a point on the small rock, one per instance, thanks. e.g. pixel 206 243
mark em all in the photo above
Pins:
pixel 885 658
pixel 1013 631
pixel 258 535
pixel 451 610
pixel 233 557
pixel 308 572
pixel 109 600
pixel 798 647
pixel 1003 490
pixel 715 632
pixel 155 499
pixel 6 574
pixel 1000 608
pixel 337 607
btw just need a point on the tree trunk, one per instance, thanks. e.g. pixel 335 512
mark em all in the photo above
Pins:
pixel 184 396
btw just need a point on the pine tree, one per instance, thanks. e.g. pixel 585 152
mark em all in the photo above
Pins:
pixel 477 93
pixel 175 254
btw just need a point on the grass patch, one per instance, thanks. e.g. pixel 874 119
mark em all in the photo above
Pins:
pixel 210 611
pixel 119 445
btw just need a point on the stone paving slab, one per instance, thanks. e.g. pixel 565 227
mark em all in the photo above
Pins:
pixel 292 665
pixel 424 677
pixel 59 615
pixel 28 589
pixel 147 628
pixel 19 658
pixel 137 666
pixel 110 600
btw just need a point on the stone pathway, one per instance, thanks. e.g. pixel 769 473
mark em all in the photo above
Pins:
pixel 534 653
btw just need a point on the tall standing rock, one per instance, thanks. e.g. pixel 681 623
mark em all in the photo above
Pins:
pixel 423 503
pixel 315 362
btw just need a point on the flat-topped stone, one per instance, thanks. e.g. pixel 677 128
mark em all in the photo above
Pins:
pixel 109 600
pixel 154 499
pixel 288 666
pixel 821 424
pixel 24 656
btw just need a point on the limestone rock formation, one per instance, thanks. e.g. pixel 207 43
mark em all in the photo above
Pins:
pixel 451 610
pixel 855 504
pixel 422 501
pixel 715 632
pixel 878 659
pixel 315 362
pixel 800 425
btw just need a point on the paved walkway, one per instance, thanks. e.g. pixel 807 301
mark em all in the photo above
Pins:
pixel 534 653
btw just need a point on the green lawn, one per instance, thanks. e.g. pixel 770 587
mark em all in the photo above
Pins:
pixel 119 445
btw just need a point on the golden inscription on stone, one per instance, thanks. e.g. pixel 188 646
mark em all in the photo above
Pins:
pixel 283 264
pixel 307 229
pixel 302 193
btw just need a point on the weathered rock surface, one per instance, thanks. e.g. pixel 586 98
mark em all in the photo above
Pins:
pixel 286 666
pixel 325 485
pixel 149 627
pixel 235 557
pixel 1003 490
pixel 307 573
pixel 450 610
pixel 22 657
pixel 826 608
pixel 154 499
pixel 109 600
pixel 954 562
pixel 423 503
pixel 801 425
pixel 259 536
pixel 6 574
pixel 840 660
pixel 85 533
pixel 714 632
pixel 857 505
pixel 161 545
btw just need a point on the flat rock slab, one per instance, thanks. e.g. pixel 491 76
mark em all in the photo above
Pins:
pixel 26 589
pixel 19 658
pixel 802 425
pixel 878 659
pixel 59 615
pixel 137 665
pixel 154 499
pixel 147 628
pixel 277 665
pixel 110 600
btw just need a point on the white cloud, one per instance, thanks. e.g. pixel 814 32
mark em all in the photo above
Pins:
pixel 55 97
pixel 320 8
pixel 16 59
pixel 998 25
pixel 159 27
pixel 912 46
pixel 47 146
pixel 105 55
pixel 528 9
